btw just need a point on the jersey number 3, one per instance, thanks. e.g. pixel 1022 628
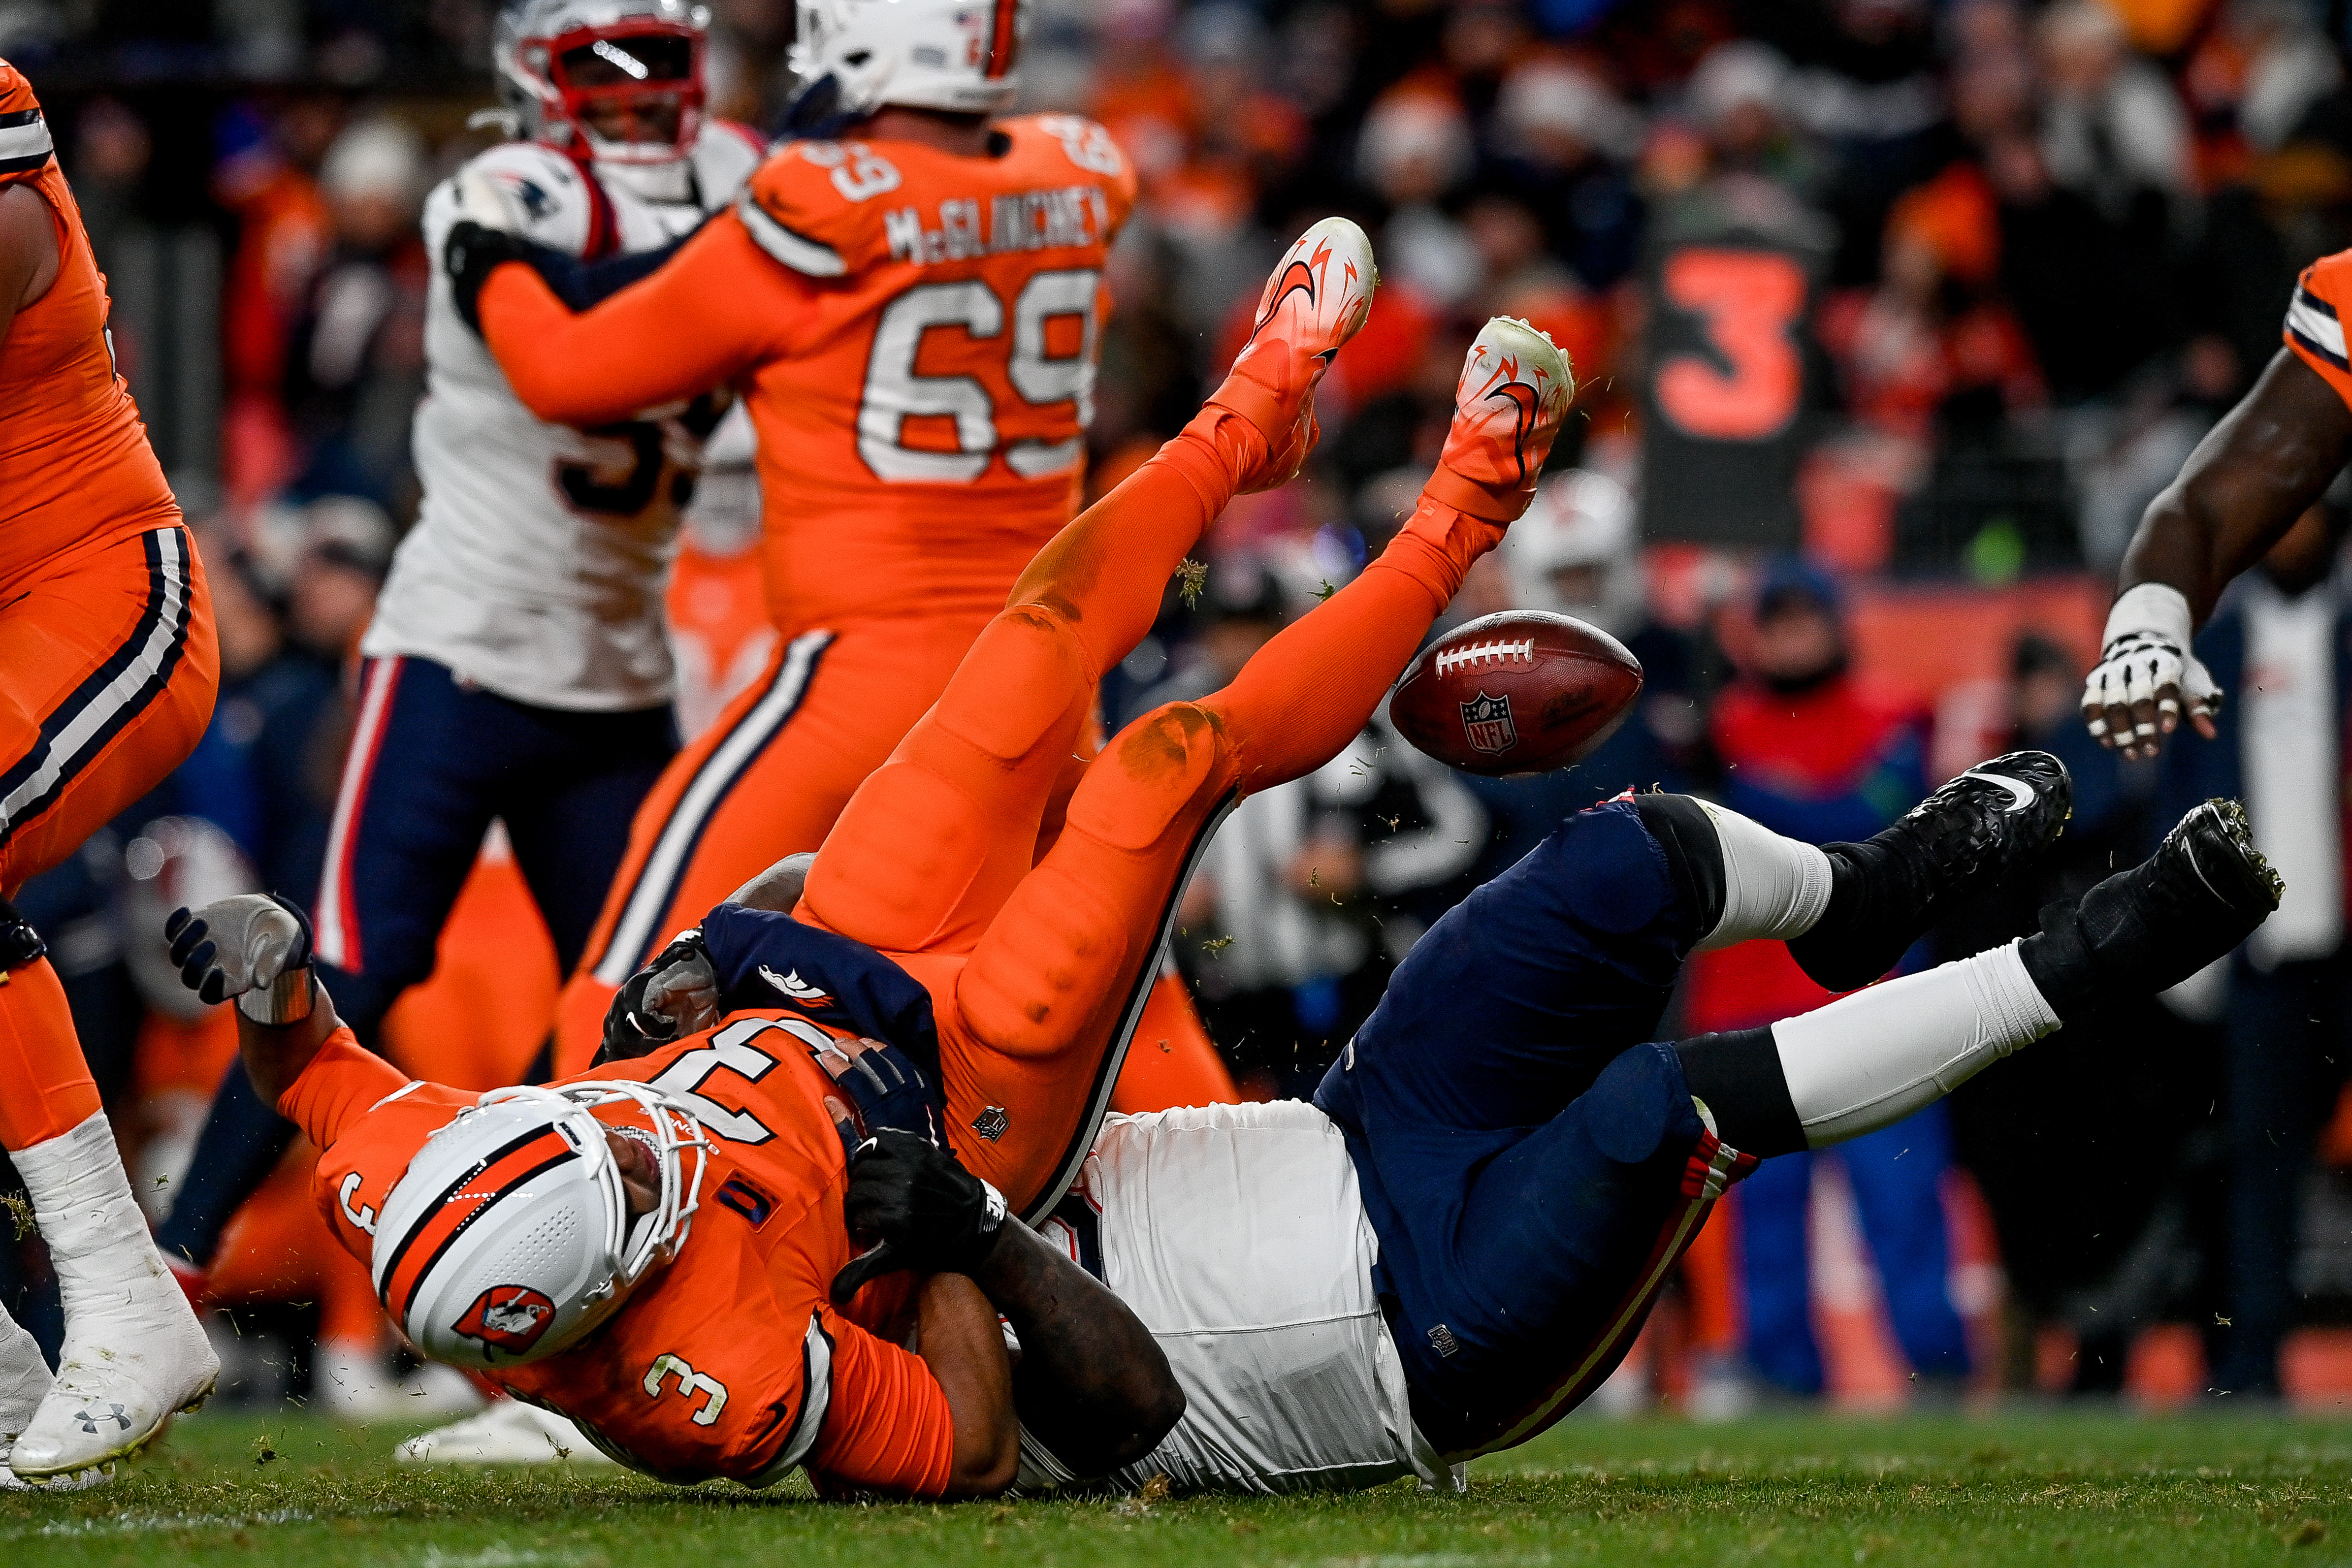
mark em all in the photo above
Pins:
pixel 895 392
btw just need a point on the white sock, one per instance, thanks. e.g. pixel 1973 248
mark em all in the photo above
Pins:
pixel 1869 1059
pixel 1772 887
pixel 96 1232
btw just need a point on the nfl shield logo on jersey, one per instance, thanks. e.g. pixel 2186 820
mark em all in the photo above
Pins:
pixel 508 1317
pixel 1486 722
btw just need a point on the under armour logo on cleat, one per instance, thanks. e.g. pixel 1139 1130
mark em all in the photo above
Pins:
pixel 90 1423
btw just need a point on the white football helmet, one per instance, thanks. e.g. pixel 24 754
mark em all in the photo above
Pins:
pixel 510 1237
pixel 1581 523
pixel 855 56
pixel 556 57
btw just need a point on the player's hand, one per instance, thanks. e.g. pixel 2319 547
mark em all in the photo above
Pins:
pixel 255 947
pixel 673 997
pixel 2147 680
pixel 882 1083
pixel 472 254
pixel 2144 686
pixel 919 1208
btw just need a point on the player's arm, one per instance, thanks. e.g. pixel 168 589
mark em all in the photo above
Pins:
pixel 2265 465
pixel 1093 1384
pixel 28 250
pixel 957 1335
pixel 719 307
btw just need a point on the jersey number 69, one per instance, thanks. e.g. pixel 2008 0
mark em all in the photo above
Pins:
pixel 895 392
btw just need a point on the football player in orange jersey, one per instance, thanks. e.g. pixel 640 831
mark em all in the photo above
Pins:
pixel 927 921
pixel 911 307
pixel 2266 464
pixel 108 671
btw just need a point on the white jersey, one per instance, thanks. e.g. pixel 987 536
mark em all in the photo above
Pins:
pixel 1235 1233
pixel 541 552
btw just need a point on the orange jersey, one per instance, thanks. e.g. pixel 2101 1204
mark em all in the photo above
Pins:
pixel 730 1361
pixel 75 465
pixel 914 334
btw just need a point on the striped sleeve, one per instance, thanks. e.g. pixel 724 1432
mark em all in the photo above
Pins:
pixel 2315 323
pixel 24 145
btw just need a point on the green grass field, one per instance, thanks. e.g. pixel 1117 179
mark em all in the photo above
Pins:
pixel 2020 1487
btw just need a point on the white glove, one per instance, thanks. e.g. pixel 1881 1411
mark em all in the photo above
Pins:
pixel 254 948
pixel 2148 681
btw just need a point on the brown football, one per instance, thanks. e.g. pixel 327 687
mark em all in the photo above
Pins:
pixel 1522 692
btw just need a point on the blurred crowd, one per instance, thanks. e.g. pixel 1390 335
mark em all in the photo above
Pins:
pixel 1890 318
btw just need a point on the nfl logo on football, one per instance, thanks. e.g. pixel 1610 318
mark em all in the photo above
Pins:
pixel 1486 721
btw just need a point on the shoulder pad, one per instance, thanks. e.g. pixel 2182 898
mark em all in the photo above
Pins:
pixel 724 157
pixel 546 188
pixel 1063 143
pixel 809 206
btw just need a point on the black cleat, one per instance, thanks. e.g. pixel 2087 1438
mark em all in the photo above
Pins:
pixel 2148 929
pixel 1885 893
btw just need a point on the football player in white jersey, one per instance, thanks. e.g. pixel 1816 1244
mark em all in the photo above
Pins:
pixel 518 667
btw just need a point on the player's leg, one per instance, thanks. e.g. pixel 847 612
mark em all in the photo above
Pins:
pixel 1553 969
pixel 421 776
pixel 1053 991
pixel 931 846
pixel 767 780
pixel 1539 1274
pixel 568 808
pixel 108 671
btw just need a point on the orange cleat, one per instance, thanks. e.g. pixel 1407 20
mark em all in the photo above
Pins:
pixel 1514 393
pixel 1319 294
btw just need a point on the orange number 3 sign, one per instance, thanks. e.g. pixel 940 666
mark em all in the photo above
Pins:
pixel 1748 301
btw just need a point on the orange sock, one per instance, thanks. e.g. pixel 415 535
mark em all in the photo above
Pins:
pixel 45 1089
pixel 1437 544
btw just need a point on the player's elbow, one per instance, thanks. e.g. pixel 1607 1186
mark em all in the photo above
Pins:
pixel 986 1467
pixel 1152 1404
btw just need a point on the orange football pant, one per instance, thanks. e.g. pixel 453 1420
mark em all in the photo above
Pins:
pixel 1038 973
pixel 769 778
pixel 108 671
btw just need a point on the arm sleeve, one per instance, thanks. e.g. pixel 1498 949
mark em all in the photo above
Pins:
pixel 584 284
pixel 888 1428
pixel 2314 327
pixel 344 1080
pixel 718 308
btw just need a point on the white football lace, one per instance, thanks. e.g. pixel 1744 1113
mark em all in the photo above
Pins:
pixel 1477 656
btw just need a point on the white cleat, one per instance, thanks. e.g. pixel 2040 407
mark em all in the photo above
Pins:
pixel 1317 297
pixel 509 1433
pixel 135 1351
pixel 23 1379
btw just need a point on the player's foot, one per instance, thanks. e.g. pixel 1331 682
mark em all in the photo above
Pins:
pixel 134 1351
pixel 1515 391
pixel 1885 893
pixel 23 1379
pixel 507 1432
pixel 2148 929
pixel 1319 294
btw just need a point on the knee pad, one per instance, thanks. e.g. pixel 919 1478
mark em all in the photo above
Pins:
pixel 1044 968
pixel 1157 770
pixel 19 944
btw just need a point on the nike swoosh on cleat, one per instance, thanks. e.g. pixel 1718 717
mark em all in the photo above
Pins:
pixel 2019 791
pixel 1306 284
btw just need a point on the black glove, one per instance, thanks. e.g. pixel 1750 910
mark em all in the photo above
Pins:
pixel 255 947
pixel 884 1084
pixel 472 253
pixel 669 998
pixel 924 1211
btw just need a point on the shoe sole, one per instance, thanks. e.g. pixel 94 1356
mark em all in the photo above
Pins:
pixel 2254 877
pixel 124 1451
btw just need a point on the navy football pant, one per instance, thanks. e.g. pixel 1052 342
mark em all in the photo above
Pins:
pixel 432 762
pixel 1529 1157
